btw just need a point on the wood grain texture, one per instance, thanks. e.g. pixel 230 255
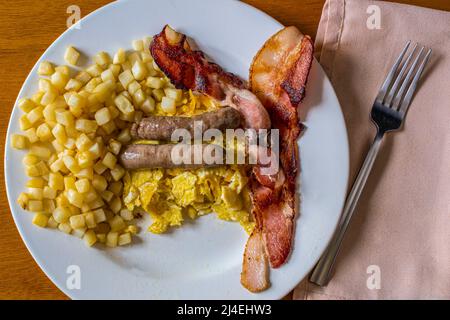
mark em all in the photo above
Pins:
pixel 27 28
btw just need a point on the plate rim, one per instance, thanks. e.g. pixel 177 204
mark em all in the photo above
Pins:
pixel 7 151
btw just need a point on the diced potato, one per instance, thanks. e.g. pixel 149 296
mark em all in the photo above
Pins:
pixel 35 193
pixel 83 77
pixel 77 101
pixel 19 142
pixel 99 183
pixel 90 238
pixel 109 127
pixel 155 83
pixel 30 160
pixel 26 105
pixel 49 205
pixel 99 167
pixel 99 215
pixel 124 136
pixel 44 132
pixel 31 135
pixel 59 80
pixel 86 173
pixel 133 57
pixel 63 69
pixel 94 71
pixel 40 151
pixel 51 223
pixel 158 94
pixel 71 55
pixel 139 70
pixel 64 117
pixel 35 205
pixel 114 146
pixel 101 237
pixel 86 126
pixel 148 106
pixel 102 59
pixel 115 69
pixel 119 57
pixel 124 239
pixel 115 205
pixel 24 123
pixel 90 220
pixel 83 185
pixel 133 87
pixel 112 239
pixel 49 193
pixel 95 151
pixel 65 227
pixel 107 195
pixel 83 142
pixel 36 183
pixel 146 42
pixel 73 85
pixel 22 200
pixel 59 133
pixel 123 104
pixel 35 115
pixel 174 94
pixel 117 173
pixel 77 221
pixel 116 187
pixel 71 164
pixel 109 160
pixel 79 233
pixel 45 68
pixel 126 214
pixel 40 220
pixel 126 78
pixel 75 198
pixel 107 75
pixel 139 97
pixel 102 116
pixel 56 181
pixel 168 105
pixel 132 229
pixel 138 45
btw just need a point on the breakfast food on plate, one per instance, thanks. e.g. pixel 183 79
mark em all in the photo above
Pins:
pixel 278 77
pixel 100 147
pixel 75 129
pixel 162 127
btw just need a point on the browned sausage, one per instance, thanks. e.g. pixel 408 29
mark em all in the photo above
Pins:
pixel 162 127
pixel 147 156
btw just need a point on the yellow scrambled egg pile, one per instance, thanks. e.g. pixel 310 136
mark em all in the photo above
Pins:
pixel 172 195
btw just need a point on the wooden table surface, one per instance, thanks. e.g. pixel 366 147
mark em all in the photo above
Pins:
pixel 28 27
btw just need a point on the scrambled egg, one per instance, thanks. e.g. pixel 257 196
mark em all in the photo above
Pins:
pixel 172 195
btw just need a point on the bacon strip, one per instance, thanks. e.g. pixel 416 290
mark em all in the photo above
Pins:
pixel 189 69
pixel 278 77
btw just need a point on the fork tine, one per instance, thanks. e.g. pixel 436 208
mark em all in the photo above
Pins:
pixel 391 74
pixel 412 88
pixel 406 81
pixel 398 80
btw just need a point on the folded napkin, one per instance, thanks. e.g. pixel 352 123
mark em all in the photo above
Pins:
pixel 398 244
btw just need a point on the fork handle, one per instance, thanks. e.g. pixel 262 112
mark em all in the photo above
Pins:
pixel 322 271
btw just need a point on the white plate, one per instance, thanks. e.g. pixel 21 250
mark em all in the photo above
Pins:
pixel 202 259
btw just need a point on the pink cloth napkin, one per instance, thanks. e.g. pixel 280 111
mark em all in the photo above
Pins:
pixel 398 244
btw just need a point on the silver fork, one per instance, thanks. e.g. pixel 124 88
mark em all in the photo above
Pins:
pixel 388 113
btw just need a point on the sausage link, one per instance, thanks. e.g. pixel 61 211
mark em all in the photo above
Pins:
pixel 162 127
